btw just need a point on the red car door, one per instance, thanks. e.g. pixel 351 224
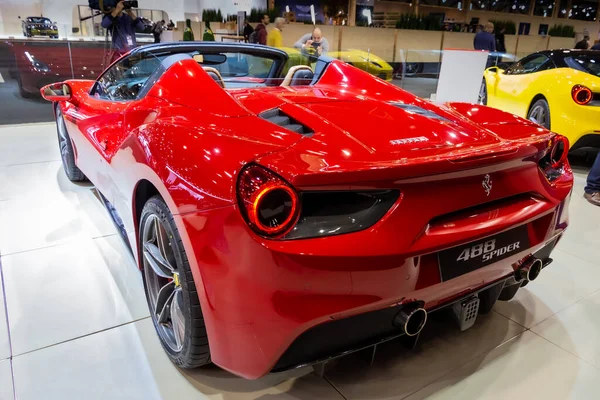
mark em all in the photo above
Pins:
pixel 94 121
pixel 99 117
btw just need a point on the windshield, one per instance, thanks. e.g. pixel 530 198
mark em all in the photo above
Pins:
pixel 125 79
pixel 39 20
pixel 589 63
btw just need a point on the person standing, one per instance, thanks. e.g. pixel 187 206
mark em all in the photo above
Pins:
pixel 583 44
pixel 261 31
pixel 248 29
pixel 592 189
pixel 485 40
pixel 122 26
pixel 275 37
pixel 157 30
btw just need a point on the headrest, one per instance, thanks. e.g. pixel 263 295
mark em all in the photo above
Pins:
pixel 302 77
pixel 301 71
pixel 213 73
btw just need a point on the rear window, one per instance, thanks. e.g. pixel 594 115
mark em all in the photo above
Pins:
pixel 587 63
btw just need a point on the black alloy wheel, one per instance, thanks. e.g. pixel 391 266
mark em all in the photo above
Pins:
pixel 540 113
pixel 67 154
pixel 170 288
pixel 413 68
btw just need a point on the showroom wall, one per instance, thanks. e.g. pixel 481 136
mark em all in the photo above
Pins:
pixel 11 10
pixel 393 45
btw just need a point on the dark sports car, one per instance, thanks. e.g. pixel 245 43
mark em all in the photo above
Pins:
pixel 39 26
pixel 282 220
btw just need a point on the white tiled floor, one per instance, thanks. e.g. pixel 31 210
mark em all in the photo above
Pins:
pixel 79 325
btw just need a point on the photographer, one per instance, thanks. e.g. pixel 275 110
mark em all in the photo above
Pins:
pixel 122 26
pixel 314 42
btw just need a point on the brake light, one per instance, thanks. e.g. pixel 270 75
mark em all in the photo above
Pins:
pixel 555 160
pixel 581 95
pixel 559 150
pixel 269 204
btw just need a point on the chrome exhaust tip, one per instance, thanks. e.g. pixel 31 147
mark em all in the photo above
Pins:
pixel 530 270
pixel 412 320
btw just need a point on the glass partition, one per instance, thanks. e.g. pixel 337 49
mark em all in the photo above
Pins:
pixel 407 58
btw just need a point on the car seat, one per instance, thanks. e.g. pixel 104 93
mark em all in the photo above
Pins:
pixel 213 73
pixel 298 75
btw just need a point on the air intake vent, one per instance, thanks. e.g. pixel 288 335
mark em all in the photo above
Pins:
pixel 410 108
pixel 278 117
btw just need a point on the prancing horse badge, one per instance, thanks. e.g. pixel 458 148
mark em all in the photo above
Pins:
pixel 487 184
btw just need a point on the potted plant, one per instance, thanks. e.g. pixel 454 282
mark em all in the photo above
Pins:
pixel 188 34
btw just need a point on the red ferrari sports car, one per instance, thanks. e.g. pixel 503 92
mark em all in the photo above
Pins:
pixel 280 221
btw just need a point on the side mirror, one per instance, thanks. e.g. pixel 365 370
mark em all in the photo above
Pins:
pixel 56 92
pixel 493 69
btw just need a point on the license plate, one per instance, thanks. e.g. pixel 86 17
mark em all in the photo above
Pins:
pixel 468 257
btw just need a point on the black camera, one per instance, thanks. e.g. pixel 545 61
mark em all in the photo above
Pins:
pixel 107 5
pixel 130 4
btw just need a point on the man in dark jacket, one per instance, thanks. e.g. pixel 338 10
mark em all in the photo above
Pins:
pixel 261 30
pixel 247 30
pixel 583 44
pixel 122 26
pixel 485 39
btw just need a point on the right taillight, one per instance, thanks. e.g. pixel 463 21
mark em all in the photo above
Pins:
pixel 581 95
pixel 556 157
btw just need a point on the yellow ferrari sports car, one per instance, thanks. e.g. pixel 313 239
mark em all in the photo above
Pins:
pixel 360 59
pixel 558 89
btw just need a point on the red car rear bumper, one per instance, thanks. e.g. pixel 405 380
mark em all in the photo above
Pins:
pixel 259 297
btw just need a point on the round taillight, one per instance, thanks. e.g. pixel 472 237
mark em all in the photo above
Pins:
pixel 581 95
pixel 270 204
pixel 559 150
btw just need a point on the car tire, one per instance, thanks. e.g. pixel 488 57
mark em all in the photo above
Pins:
pixel 482 97
pixel 67 154
pixel 539 112
pixel 24 94
pixel 413 68
pixel 173 302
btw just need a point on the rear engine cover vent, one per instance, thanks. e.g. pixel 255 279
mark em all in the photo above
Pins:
pixel 418 110
pixel 278 117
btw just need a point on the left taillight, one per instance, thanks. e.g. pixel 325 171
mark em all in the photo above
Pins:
pixel 581 95
pixel 553 162
pixel 268 203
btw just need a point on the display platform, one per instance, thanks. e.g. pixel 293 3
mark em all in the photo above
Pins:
pixel 74 305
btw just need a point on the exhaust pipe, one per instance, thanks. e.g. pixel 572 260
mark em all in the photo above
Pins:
pixel 530 270
pixel 411 319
